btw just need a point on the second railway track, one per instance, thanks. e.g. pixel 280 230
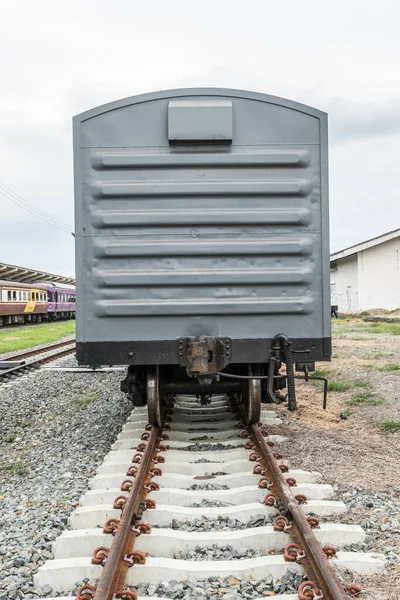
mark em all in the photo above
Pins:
pixel 20 362
pixel 205 502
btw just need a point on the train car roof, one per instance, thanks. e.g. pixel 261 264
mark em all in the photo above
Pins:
pixel 58 286
pixel 17 284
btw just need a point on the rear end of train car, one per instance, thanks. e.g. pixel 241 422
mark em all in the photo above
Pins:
pixel 202 244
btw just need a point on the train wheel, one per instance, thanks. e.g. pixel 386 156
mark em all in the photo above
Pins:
pixel 252 399
pixel 155 405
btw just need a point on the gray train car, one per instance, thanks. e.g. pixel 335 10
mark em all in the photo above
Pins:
pixel 202 244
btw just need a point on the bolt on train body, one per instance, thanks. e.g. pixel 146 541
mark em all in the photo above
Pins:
pixel 202 244
pixel 32 303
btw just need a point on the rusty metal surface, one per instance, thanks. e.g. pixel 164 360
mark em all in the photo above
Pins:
pixel 315 561
pixel 204 355
pixel 113 575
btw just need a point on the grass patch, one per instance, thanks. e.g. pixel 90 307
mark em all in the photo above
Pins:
pixel 21 338
pixel 85 400
pixel 389 328
pixel 10 438
pixel 335 355
pixel 363 327
pixel 323 372
pixel 365 399
pixel 376 355
pixel 361 383
pixel 389 367
pixel 15 468
pixel 338 386
pixel 391 425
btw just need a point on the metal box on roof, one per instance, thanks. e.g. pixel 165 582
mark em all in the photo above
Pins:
pixel 201 212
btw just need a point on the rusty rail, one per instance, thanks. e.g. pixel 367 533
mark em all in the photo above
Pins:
pixel 35 351
pixel 5 373
pixel 113 575
pixel 315 560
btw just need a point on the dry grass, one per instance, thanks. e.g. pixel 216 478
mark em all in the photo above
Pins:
pixel 355 451
pixel 377 587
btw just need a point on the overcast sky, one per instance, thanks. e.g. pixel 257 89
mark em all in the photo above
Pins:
pixel 61 58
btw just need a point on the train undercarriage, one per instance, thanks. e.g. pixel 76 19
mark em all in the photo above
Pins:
pixel 205 370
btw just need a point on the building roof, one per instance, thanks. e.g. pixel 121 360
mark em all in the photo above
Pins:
pixel 25 275
pixel 380 239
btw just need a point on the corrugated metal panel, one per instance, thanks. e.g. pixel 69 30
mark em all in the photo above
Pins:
pixel 209 240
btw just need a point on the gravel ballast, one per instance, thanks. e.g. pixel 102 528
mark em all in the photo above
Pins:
pixel 221 523
pixel 55 430
pixel 224 588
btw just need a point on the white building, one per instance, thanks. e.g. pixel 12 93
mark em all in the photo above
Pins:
pixel 367 275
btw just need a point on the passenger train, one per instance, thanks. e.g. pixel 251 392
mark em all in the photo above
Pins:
pixel 32 303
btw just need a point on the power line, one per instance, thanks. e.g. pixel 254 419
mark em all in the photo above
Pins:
pixel 33 210
pixel 35 214
pixel 19 198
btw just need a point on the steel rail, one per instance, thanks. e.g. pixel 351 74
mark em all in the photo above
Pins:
pixel 4 373
pixel 316 563
pixel 113 575
pixel 34 351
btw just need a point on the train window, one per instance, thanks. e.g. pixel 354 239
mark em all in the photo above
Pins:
pixel 9 295
pixel 14 296
pixel 19 296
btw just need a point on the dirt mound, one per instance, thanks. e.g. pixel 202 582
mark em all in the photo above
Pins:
pixel 377 311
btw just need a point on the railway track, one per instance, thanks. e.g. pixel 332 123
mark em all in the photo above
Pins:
pixel 17 363
pixel 204 487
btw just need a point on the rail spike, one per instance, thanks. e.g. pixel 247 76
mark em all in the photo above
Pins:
pixel 308 590
pixel 100 555
pixel 85 592
pixel 110 526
